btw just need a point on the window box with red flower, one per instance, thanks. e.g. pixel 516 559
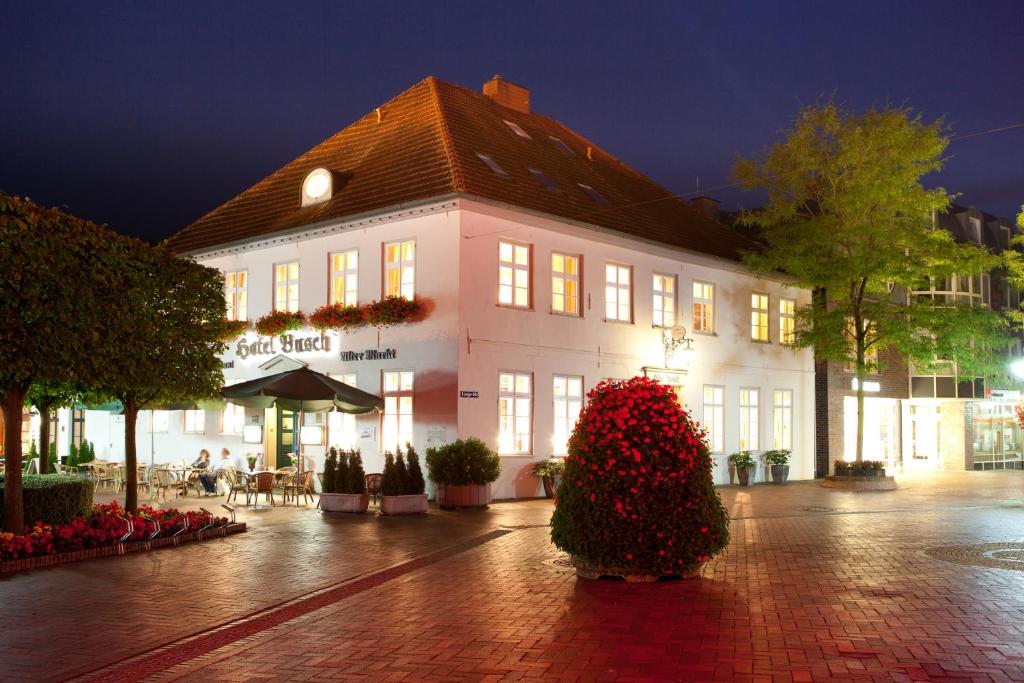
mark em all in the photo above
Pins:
pixel 277 323
pixel 391 310
pixel 232 329
pixel 337 317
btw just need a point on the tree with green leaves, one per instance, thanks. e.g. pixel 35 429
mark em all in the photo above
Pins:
pixel 848 218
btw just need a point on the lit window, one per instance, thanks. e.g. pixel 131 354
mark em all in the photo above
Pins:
pixel 341 427
pixel 664 300
pixel 233 419
pixel 565 284
pixel 286 287
pixel 714 417
pixel 513 275
pixel 563 148
pixel 195 421
pixel 594 194
pixel 568 401
pixel 515 408
pixel 749 419
pixel 396 428
pixel 235 294
pixel 160 421
pixel 703 307
pixel 317 187
pixel 759 317
pixel 492 164
pixel 782 432
pixel 518 130
pixel 787 321
pixel 400 269
pixel 618 298
pixel 345 278
pixel 544 180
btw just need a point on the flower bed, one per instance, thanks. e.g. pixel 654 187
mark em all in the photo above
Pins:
pixel 277 323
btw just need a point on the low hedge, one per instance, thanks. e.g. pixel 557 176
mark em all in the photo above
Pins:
pixel 52 498
pixel 465 461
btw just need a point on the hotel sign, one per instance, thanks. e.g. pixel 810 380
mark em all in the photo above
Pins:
pixel 288 343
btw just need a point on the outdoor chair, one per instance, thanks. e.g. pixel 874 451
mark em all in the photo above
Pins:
pixel 236 483
pixel 373 485
pixel 103 475
pixel 192 480
pixel 261 482
pixel 300 487
pixel 162 482
pixel 223 477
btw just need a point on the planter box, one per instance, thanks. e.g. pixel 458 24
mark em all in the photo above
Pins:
pixel 404 505
pixel 585 570
pixel 779 473
pixel 344 502
pixel 463 496
pixel 745 474
pixel 838 481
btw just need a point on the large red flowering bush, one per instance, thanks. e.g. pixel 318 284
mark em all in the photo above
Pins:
pixel 637 494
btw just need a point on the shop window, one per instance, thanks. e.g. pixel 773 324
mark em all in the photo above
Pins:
pixel 397 424
pixel 703 307
pixel 714 417
pixel 236 297
pixel 286 287
pixel 787 321
pixel 232 419
pixel 664 305
pixel 782 422
pixel 515 413
pixel 568 401
pixel 514 275
pixel 341 427
pixel 750 418
pixel 400 269
pixel 618 295
pixel 759 317
pixel 195 421
pixel 345 278
pixel 997 436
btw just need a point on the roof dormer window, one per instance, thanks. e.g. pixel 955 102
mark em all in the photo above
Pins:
pixel 492 164
pixel 317 187
pixel 517 130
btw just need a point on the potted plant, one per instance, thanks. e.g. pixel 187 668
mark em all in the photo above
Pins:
pixel 777 461
pixel 463 472
pixel 251 460
pixel 745 466
pixel 344 482
pixel 549 471
pixel 402 485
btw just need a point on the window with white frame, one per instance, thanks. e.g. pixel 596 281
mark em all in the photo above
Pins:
pixel 750 419
pixel 618 294
pixel 787 321
pixel 568 401
pixel 782 419
pixel 514 275
pixel 515 413
pixel 236 297
pixel 759 317
pixel 195 421
pixel 341 427
pixel 400 269
pixel 703 307
pixel 714 417
pixel 159 421
pixel 232 419
pixel 976 230
pixel 345 278
pixel 286 287
pixel 396 425
pixel 565 284
pixel 664 287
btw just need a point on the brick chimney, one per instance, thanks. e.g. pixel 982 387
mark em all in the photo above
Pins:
pixel 707 206
pixel 508 94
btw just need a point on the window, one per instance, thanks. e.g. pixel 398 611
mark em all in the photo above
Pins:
pixel 544 180
pixel 341 427
pixel 714 417
pixel 759 317
pixel 317 187
pixel 565 284
pixel 664 300
pixel 514 275
pixel 515 406
pixel 396 428
pixel 77 426
pixel 235 296
pixel 518 130
pixel 562 147
pixel 1005 231
pixel 159 421
pixel 703 307
pixel 787 321
pixel 286 287
pixel 568 401
pixel 345 278
pixel 618 297
pixel 749 419
pixel 976 230
pixel 782 422
pixel 195 421
pixel 594 194
pixel 232 419
pixel 400 269
pixel 492 164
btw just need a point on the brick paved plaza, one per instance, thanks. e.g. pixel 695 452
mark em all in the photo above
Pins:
pixel 815 585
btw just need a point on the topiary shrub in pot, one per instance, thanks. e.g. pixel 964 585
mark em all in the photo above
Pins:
pixel 463 472
pixel 344 483
pixel 637 497
pixel 778 464
pixel 401 490
pixel 548 470
pixel 745 466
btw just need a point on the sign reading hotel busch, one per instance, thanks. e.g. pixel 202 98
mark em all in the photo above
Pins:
pixel 288 343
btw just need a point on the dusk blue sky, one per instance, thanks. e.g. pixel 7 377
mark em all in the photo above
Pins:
pixel 146 115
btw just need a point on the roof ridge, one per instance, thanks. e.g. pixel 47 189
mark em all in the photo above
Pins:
pixel 458 181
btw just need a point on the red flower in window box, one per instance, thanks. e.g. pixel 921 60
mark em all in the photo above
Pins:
pixel 278 323
pixel 232 329
pixel 337 317
pixel 391 310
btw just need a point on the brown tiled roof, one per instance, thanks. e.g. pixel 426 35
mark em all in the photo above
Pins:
pixel 425 145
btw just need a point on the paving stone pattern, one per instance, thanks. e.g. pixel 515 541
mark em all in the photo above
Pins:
pixel 815 585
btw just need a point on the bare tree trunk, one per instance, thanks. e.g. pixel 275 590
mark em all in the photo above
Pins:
pixel 44 440
pixel 131 470
pixel 14 509
pixel 860 412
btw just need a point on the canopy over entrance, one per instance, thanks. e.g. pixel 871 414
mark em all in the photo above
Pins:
pixel 304 390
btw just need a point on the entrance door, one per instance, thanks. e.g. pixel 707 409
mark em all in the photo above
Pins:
pixel 925 437
pixel 287 434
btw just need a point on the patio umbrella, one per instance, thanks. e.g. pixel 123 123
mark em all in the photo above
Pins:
pixel 302 390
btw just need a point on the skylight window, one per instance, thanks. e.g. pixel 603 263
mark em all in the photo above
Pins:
pixel 564 148
pixel 517 130
pixel 544 180
pixel 492 164
pixel 317 187
pixel 594 194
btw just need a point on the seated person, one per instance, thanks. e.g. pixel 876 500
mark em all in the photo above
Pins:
pixel 206 477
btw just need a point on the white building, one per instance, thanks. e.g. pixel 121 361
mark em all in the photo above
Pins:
pixel 544 265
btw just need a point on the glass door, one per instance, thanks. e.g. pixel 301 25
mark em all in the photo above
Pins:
pixel 925 437
pixel 287 436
